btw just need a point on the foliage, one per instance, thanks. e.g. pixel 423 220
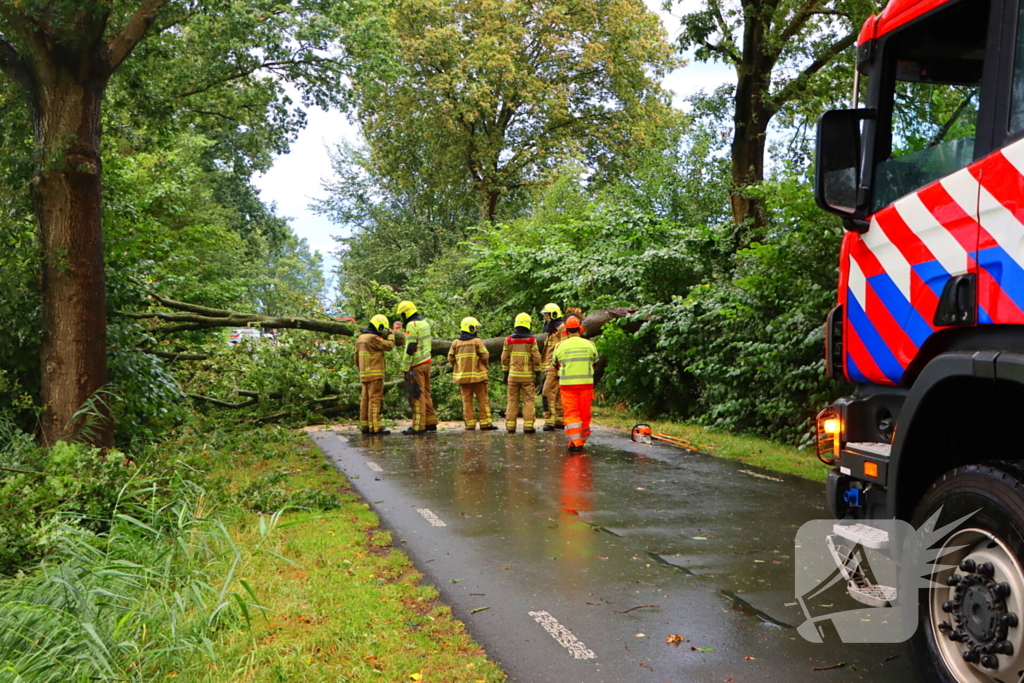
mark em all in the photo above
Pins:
pixel 498 94
pixel 288 373
pixel 269 493
pixel 744 353
pixel 70 479
pixel 395 229
pixel 137 606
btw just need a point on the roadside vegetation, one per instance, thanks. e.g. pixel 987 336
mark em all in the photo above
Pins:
pixel 217 555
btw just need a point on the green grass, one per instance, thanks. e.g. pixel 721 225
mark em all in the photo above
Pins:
pixel 338 602
pixel 747 449
pixel 192 583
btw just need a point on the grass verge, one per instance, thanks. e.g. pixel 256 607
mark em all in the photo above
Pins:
pixel 746 449
pixel 337 601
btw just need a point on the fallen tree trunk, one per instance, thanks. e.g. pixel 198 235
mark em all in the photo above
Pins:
pixel 194 317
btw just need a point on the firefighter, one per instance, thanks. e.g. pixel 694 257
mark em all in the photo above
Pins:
pixel 574 358
pixel 371 346
pixel 552 400
pixel 416 369
pixel 469 359
pixel 521 363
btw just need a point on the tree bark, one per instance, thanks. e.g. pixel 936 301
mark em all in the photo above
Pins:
pixel 750 121
pixel 63 69
pixel 66 191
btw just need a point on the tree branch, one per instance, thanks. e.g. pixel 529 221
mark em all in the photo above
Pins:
pixel 799 83
pixel 13 66
pixel 118 49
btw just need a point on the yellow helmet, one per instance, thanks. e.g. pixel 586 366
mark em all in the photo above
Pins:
pixel 406 309
pixel 524 320
pixel 380 323
pixel 470 325
pixel 553 309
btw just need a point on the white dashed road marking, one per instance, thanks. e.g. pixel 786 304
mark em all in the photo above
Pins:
pixel 375 467
pixel 431 517
pixel 563 635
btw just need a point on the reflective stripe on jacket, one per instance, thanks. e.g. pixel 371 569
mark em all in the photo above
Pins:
pixel 520 358
pixel 574 357
pixel 369 355
pixel 552 341
pixel 416 332
pixel 469 358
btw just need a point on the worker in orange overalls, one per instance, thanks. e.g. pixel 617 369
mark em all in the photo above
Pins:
pixel 469 359
pixel 371 346
pixel 574 357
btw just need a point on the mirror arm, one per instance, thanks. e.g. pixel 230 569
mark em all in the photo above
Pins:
pixel 857 225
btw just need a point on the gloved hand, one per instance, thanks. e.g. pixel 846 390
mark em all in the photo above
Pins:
pixel 409 376
pixel 536 377
pixel 504 378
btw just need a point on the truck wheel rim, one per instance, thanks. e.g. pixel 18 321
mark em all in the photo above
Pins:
pixel 975 612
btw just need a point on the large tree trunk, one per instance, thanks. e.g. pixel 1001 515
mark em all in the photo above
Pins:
pixel 66 190
pixel 750 124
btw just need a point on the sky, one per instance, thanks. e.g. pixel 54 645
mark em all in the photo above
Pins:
pixel 296 178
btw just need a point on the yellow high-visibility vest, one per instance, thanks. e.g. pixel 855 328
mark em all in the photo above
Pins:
pixel 575 357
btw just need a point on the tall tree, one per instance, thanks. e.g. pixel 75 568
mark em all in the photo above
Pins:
pixel 501 92
pixel 62 55
pixel 782 50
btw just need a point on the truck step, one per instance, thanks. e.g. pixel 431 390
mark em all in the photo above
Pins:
pixel 867 536
pixel 858 585
pixel 872 595
pixel 870 448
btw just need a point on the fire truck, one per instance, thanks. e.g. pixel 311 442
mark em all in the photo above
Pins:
pixel 926 170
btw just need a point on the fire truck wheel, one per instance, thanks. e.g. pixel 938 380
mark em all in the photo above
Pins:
pixel 970 628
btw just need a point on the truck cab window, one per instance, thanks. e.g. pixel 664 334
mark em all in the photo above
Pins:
pixel 932 99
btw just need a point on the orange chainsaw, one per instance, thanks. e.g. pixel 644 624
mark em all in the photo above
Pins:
pixel 642 433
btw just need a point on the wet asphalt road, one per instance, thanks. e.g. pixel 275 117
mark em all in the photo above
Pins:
pixel 586 564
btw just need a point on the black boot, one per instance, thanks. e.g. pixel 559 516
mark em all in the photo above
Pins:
pixel 431 428
pixel 413 432
pixel 549 428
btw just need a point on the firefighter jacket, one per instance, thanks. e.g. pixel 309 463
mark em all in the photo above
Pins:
pixel 574 358
pixel 370 349
pixel 520 357
pixel 556 333
pixel 417 343
pixel 469 358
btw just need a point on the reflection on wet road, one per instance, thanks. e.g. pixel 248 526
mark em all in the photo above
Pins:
pixel 587 564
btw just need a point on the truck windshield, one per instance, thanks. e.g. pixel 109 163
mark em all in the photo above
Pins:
pixel 934 77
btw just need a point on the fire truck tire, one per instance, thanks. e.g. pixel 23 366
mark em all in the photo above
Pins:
pixel 972 631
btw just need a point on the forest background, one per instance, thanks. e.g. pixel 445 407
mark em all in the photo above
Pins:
pixel 512 153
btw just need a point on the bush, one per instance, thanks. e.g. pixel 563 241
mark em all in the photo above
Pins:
pixel 41 488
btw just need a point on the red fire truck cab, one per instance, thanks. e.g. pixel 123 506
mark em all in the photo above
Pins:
pixel 928 176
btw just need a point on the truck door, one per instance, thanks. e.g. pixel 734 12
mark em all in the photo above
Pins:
pixel 913 271
pixel 1000 176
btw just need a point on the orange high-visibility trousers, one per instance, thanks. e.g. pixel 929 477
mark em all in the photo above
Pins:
pixel 576 400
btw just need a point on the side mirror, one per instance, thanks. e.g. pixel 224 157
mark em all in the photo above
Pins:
pixel 838 162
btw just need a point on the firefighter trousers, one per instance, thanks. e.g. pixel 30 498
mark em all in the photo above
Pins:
pixel 576 400
pixel 528 393
pixel 469 415
pixel 369 406
pixel 423 414
pixel 553 399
